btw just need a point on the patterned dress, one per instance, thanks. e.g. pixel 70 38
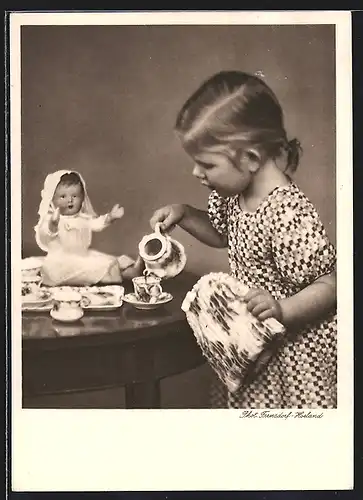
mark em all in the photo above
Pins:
pixel 282 247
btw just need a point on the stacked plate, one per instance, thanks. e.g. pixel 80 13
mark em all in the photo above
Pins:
pixel 34 298
pixel 31 268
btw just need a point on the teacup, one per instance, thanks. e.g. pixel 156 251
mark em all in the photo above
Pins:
pixel 31 268
pixel 30 285
pixel 147 288
pixel 67 306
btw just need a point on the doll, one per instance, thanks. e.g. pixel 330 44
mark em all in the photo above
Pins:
pixel 64 231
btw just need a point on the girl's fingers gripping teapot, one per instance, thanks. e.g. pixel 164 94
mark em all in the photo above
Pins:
pixel 163 256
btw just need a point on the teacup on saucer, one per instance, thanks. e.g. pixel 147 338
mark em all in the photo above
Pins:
pixel 67 306
pixel 147 288
pixel 30 287
pixel 163 299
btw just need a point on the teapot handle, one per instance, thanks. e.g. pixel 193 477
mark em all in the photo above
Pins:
pixel 157 228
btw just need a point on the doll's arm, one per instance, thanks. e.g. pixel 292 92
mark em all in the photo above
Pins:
pixel 47 229
pixel 116 212
pixel 100 223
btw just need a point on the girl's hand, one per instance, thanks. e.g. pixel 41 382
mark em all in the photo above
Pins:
pixel 262 305
pixel 116 212
pixel 168 217
pixel 54 220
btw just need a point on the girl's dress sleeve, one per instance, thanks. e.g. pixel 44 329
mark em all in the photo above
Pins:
pixel 217 212
pixel 301 248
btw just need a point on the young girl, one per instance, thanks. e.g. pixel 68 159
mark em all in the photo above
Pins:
pixel 64 231
pixel 233 129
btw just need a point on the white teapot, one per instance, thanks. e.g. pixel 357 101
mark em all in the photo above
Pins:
pixel 163 256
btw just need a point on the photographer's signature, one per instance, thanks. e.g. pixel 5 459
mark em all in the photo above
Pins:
pixel 280 414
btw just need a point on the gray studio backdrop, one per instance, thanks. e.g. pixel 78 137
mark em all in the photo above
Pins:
pixel 103 100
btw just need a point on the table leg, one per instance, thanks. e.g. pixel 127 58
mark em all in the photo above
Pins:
pixel 143 395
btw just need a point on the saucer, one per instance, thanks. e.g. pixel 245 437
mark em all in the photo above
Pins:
pixel 164 298
pixel 64 319
pixel 41 299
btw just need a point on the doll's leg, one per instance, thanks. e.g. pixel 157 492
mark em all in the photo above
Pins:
pixel 129 267
pixel 123 267
pixel 113 275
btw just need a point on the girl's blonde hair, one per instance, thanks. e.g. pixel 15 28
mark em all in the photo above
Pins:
pixel 233 110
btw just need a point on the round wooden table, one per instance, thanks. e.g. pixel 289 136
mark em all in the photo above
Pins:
pixel 127 347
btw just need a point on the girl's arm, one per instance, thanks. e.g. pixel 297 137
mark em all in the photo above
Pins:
pixel 194 221
pixel 197 223
pixel 305 257
pixel 310 304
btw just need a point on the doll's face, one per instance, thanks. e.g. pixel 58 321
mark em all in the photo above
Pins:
pixel 68 198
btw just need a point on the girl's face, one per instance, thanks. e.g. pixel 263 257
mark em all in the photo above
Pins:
pixel 68 199
pixel 218 172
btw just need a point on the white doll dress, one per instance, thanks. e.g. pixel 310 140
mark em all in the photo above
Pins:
pixel 69 260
